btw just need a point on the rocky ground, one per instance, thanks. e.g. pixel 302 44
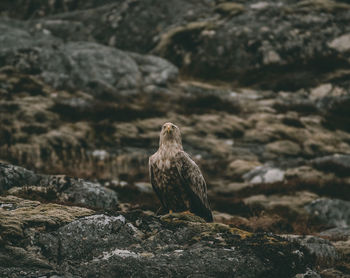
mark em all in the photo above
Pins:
pixel 261 93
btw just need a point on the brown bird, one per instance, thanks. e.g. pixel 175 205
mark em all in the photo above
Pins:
pixel 176 178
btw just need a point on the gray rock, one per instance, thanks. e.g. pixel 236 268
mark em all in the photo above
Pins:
pixel 21 181
pixel 139 246
pixel 85 66
pixel 341 44
pixel 337 163
pixel 332 212
pixel 324 251
pixel 264 174
pixel 78 191
pixel 11 176
pixel 308 274
pixel 263 48
pixel 338 233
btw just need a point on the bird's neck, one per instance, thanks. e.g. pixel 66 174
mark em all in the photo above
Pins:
pixel 169 149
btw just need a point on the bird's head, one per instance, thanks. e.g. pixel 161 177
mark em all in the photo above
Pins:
pixel 171 134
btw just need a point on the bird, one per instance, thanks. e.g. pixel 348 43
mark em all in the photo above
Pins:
pixel 176 178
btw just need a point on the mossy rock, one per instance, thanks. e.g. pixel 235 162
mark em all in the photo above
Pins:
pixel 16 214
pixel 321 6
pixel 229 8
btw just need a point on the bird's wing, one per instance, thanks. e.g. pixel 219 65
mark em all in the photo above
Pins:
pixel 194 183
pixel 154 183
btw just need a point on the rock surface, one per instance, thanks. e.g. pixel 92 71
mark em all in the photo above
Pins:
pixel 21 182
pixel 260 90
pixel 135 244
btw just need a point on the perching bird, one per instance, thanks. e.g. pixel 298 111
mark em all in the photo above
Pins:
pixel 176 178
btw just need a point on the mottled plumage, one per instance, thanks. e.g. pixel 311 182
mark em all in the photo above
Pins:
pixel 176 178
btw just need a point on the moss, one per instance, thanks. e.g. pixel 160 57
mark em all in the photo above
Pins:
pixel 229 8
pixel 321 6
pixel 181 218
pixel 39 193
pixel 17 214
pixel 168 38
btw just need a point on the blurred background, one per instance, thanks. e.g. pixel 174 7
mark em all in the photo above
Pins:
pixel 259 89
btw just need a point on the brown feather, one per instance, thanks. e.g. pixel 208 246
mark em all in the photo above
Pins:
pixel 176 178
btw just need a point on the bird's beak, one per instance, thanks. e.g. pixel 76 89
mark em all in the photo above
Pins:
pixel 168 129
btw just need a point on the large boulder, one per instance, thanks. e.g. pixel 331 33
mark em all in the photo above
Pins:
pixel 135 244
pixel 22 182
pixel 80 65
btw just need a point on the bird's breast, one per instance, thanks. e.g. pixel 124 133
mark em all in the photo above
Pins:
pixel 168 175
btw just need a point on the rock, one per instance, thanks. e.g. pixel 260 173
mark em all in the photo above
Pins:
pixel 11 176
pixel 343 247
pixel 324 251
pixel 76 241
pixel 332 212
pixel 284 147
pixel 337 163
pixel 144 187
pixel 22 182
pixel 261 53
pixel 264 174
pixel 336 234
pixel 92 66
pixel 293 203
pixel 114 23
pixel 231 189
pixel 341 44
pixel 321 91
pixel 238 168
pixel 18 214
pixel 272 53
pixel 333 273
pixel 336 112
pixel 117 244
pixel 308 274
pixel 308 175
pixel 229 8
